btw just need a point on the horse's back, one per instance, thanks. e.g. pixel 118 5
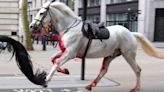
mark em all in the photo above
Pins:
pixel 127 40
pixel 120 38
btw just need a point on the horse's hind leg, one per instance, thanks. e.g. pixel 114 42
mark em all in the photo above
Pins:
pixel 103 71
pixel 104 68
pixel 130 58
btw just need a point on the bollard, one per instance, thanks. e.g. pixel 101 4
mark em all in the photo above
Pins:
pixel 37 40
pixel 44 44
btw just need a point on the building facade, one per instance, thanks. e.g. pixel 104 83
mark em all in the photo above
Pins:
pixel 151 19
pixel 144 16
pixel 9 17
pixel 113 12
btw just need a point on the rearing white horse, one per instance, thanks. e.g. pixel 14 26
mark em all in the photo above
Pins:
pixel 121 41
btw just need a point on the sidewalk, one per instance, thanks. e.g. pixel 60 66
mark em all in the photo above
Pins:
pixel 152 69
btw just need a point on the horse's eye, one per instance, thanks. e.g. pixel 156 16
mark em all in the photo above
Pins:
pixel 41 13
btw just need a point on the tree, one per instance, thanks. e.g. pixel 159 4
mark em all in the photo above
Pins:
pixel 27 33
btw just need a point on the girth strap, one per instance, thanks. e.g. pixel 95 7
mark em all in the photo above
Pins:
pixel 87 47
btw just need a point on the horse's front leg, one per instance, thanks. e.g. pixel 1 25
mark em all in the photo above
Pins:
pixel 103 71
pixel 55 56
pixel 59 62
pixel 53 60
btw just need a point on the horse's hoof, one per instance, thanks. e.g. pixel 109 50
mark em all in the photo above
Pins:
pixel 64 71
pixel 134 90
pixel 45 86
pixel 88 88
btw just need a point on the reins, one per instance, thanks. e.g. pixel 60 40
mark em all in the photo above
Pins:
pixel 72 25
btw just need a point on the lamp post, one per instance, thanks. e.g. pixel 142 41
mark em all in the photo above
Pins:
pixel 83 59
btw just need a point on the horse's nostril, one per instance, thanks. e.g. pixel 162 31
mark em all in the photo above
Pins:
pixel 30 26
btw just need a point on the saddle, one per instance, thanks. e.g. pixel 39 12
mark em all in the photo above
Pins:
pixel 95 31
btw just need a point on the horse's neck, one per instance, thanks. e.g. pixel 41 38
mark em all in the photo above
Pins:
pixel 62 21
pixel 66 22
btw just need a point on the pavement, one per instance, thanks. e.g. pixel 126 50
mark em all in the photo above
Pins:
pixel 71 83
pixel 152 75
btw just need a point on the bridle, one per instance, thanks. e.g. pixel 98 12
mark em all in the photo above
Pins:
pixel 41 20
pixel 74 24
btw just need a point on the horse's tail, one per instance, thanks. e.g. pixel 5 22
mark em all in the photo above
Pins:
pixel 148 47
pixel 24 62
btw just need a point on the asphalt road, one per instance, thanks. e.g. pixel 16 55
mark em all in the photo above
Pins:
pixel 42 90
pixel 71 83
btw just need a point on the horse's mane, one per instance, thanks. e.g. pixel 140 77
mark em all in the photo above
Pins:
pixel 64 9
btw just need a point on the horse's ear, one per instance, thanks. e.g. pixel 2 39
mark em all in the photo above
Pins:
pixel 47 4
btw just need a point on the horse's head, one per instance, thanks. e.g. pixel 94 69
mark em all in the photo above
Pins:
pixel 57 13
pixel 41 17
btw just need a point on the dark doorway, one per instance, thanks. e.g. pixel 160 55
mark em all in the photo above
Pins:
pixel 159 25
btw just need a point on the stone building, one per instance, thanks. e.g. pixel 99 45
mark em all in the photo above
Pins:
pixel 9 17
pixel 151 19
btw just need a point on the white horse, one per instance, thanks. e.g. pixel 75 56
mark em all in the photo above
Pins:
pixel 121 41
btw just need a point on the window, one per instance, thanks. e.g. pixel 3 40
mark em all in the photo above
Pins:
pixel 128 20
pixel 80 5
pixel 118 1
pixel 93 3
pixel 45 1
pixel 30 18
pixel 64 1
pixel 35 3
pixel 69 3
pixel 131 0
pixel 94 18
pixel 13 33
pixel 41 3
pixel 29 5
